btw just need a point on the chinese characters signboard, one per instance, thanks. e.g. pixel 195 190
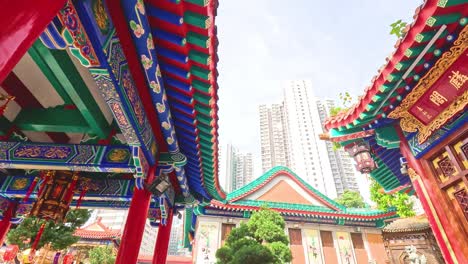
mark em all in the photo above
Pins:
pixel 439 96
pixel 453 83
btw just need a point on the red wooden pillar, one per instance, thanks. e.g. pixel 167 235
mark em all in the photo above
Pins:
pixel 433 206
pixel 162 242
pixel 5 224
pixel 22 22
pixel 134 228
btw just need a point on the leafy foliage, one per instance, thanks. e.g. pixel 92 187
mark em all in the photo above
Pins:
pixel 398 28
pixel 346 99
pixel 335 110
pixel 261 240
pixel 351 199
pixel 346 102
pixel 398 200
pixel 102 255
pixel 59 235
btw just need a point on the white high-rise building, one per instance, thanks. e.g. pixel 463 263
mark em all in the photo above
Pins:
pixel 290 137
pixel 342 165
pixel 116 219
pixel 308 154
pixel 176 239
pixel 273 136
pixel 239 169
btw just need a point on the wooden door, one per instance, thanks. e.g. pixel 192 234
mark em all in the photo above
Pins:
pixel 449 166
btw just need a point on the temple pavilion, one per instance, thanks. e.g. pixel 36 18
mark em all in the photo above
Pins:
pixel 409 130
pixel 108 104
pixel 320 230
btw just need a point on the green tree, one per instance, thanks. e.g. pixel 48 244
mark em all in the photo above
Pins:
pixel 59 235
pixel 351 199
pixel 261 240
pixel 102 255
pixel 398 200
pixel 398 28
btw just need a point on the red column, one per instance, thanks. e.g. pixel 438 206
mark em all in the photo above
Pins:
pixel 22 22
pixel 162 242
pixel 5 224
pixel 134 227
pixel 444 231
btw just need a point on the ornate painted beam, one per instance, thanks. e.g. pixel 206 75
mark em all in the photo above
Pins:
pixel 91 29
pixel 16 187
pixel 143 42
pixel 23 155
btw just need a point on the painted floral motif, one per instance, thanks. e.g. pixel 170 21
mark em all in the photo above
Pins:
pixel 170 140
pixel 137 29
pixel 100 15
pixel 345 247
pixel 149 42
pixel 76 36
pixel 130 88
pixel 155 87
pixel 19 184
pixel 147 62
pixel 161 108
pixel 42 152
pixel 119 114
pixel 140 6
pixel 166 125
pixel 118 155
pixel 158 72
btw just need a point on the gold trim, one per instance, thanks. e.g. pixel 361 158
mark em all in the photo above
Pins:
pixel 410 123
pixel 437 221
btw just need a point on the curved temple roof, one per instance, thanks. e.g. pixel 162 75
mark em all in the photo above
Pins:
pixel 282 190
pixel 97 230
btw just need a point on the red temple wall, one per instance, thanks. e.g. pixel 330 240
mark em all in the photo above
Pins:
pixel 298 254
pixel 361 255
pixel 377 248
pixel 283 192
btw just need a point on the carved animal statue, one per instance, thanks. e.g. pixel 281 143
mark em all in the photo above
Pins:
pixel 413 256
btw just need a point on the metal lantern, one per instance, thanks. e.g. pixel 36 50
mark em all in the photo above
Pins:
pixel 159 186
pixel 361 153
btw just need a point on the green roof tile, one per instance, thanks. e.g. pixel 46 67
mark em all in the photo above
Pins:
pixel 198 39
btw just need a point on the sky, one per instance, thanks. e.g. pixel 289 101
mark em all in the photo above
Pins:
pixel 339 45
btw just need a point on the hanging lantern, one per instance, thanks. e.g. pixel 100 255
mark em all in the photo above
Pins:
pixel 55 197
pixel 360 151
pixel 10 253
